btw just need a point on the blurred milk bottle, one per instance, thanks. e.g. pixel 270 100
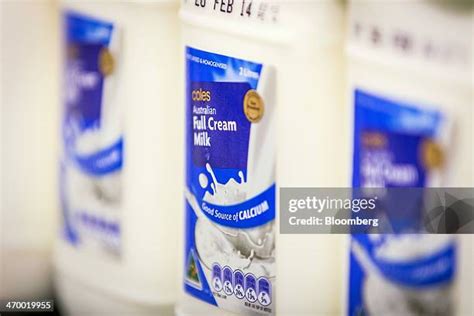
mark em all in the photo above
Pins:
pixel 29 72
pixel 263 110
pixel 411 104
pixel 120 168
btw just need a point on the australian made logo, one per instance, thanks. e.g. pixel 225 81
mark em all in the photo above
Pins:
pixel 192 272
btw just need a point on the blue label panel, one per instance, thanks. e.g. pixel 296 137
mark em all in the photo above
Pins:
pixel 218 141
pixel 90 155
pixel 390 139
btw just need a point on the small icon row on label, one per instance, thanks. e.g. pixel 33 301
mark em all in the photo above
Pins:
pixel 241 285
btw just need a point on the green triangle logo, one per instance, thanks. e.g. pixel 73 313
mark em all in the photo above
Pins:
pixel 192 273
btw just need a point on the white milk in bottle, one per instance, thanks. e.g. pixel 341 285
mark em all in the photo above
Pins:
pixel 29 72
pixel 411 100
pixel 120 160
pixel 263 92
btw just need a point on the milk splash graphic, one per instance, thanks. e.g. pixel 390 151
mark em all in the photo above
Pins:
pixel 384 295
pixel 230 191
pixel 240 245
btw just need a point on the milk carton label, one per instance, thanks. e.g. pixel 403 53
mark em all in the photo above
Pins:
pixel 230 182
pixel 92 157
pixel 404 273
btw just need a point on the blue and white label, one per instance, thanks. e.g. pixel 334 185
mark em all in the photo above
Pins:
pixel 230 182
pixel 93 144
pixel 397 145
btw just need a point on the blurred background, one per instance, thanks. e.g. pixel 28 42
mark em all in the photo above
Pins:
pixel 29 128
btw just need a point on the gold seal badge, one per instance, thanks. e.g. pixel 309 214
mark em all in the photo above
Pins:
pixel 374 139
pixel 106 62
pixel 432 155
pixel 253 106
